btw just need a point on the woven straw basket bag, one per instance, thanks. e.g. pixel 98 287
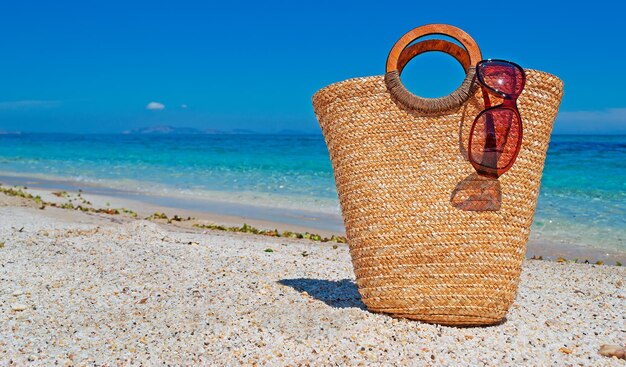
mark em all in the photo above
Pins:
pixel 421 246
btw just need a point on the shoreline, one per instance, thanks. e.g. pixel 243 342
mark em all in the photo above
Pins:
pixel 299 222
pixel 294 219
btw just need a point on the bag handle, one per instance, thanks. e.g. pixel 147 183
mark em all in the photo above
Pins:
pixel 460 54
pixel 402 53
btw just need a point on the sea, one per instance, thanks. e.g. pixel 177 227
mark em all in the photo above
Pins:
pixel 289 178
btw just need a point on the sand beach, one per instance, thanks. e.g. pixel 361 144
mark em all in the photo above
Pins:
pixel 87 288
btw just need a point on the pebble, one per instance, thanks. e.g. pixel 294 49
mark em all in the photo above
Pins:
pixel 19 307
pixel 613 351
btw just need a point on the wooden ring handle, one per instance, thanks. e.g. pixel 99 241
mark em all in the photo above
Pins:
pixel 402 53
pixel 460 54
pixel 430 29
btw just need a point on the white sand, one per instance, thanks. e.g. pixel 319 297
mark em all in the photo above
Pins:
pixel 76 289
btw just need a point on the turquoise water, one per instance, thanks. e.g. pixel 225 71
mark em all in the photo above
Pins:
pixel 275 170
pixel 583 191
pixel 582 201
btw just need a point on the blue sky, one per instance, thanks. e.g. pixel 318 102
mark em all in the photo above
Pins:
pixel 96 66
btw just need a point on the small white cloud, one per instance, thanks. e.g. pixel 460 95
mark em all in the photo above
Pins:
pixel 183 106
pixel 155 106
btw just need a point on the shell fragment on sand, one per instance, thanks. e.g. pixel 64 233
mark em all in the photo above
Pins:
pixel 19 307
pixel 612 351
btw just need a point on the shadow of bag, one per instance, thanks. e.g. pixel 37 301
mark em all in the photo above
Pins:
pixel 398 159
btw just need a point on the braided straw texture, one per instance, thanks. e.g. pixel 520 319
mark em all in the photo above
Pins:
pixel 415 255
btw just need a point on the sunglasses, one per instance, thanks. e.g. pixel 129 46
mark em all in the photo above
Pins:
pixel 496 135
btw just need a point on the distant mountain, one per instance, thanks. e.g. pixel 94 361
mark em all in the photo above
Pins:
pixel 164 129
pixel 241 131
pixel 172 130
pixel 2 132
pixel 293 132
pixel 212 131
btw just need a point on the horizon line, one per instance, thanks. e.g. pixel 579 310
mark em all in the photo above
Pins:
pixel 230 132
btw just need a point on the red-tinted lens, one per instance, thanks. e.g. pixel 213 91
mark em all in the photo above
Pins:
pixel 502 77
pixel 494 143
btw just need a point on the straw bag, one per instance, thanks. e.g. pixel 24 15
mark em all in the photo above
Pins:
pixel 425 243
